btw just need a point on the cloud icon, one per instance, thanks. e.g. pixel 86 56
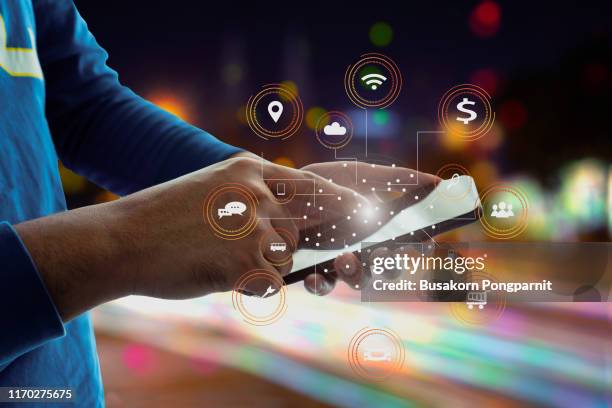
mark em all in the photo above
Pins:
pixel 334 130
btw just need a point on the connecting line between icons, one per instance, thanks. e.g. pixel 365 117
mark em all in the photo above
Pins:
pixel 366 132
pixel 430 237
pixel 278 218
pixel 315 194
pixel 347 158
pixel 355 158
pixel 262 165
pixel 418 133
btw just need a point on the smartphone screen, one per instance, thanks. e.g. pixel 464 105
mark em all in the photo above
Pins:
pixel 453 203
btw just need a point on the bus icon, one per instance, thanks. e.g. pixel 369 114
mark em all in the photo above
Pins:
pixel 278 246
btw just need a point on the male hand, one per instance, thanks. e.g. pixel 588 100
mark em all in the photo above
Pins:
pixel 168 241
pixel 388 189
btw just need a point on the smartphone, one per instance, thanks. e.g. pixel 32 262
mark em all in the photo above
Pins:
pixel 451 204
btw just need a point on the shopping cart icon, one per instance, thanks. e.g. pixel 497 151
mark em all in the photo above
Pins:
pixel 476 299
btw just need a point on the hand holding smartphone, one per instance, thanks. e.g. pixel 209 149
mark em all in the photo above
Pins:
pixel 451 204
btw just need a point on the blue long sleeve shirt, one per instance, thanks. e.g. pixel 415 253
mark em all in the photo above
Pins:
pixel 59 100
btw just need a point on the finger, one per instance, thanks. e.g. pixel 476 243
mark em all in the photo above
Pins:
pixel 316 200
pixel 319 284
pixel 277 250
pixel 349 269
pixel 385 184
pixel 263 281
pixel 363 177
pixel 259 275
pixel 332 219
pixel 280 237
pixel 288 231
pixel 339 172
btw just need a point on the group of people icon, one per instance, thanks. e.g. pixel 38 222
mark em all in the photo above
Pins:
pixel 502 210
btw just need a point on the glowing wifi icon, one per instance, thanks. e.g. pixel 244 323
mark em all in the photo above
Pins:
pixel 373 80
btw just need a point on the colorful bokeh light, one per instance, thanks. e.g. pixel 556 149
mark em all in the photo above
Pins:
pixel 381 34
pixel 513 114
pixel 380 117
pixel 583 194
pixel 485 19
pixel 232 74
pixel 291 87
pixel 313 115
pixel 284 161
pixel 170 103
pixel 487 79
pixel 139 359
pixel 72 182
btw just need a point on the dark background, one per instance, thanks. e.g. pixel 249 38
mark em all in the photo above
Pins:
pixel 546 64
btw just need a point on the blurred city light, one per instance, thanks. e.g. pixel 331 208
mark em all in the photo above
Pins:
pixel 105 196
pixel 452 140
pixel 487 79
pixel 170 103
pixel 484 173
pixel 485 19
pixel 583 193
pixel 284 161
pixel 380 117
pixel 313 115
pixel 493 139
pixel 381 34
pixel 232 74
pixel 139 359
pixel 513 114
pixel 540 211
pixel 609 209
pixel 72 182
pixel 291 87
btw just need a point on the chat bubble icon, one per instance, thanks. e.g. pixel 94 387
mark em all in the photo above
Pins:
pixel 222 212
pixel 235 207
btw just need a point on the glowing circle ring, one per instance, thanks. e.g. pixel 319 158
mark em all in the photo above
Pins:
pixel 491 310
pixel 287 237
pixel 354 354
pixel 395 80
pixel 238 297
pixel 505 233
pixel 458 169
pixel 297 112
pixel 478 93
pixel 321 125
pixel 209 208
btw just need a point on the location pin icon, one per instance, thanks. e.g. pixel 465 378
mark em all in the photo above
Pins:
pixel 275 109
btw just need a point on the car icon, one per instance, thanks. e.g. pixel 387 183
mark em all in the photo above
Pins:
pixel 377 355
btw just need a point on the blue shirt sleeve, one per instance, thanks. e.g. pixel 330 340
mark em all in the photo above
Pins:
pixel 26 309
pixel 100 128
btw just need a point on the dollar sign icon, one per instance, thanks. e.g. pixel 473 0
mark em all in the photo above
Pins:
pixel 460 107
